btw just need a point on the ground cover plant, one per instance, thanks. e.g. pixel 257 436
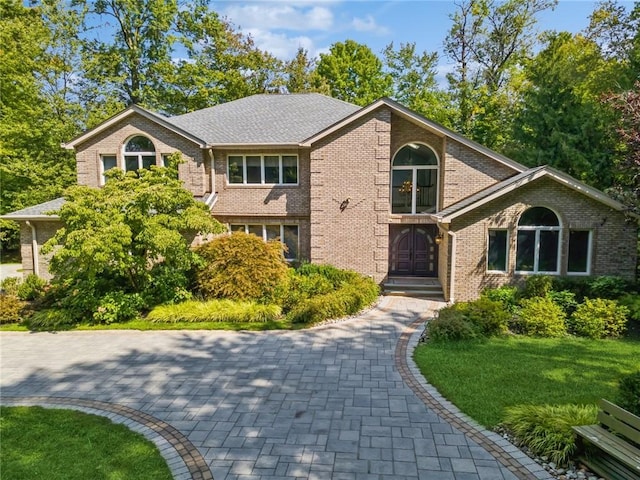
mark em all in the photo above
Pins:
pixel 51 444
pixel 564 349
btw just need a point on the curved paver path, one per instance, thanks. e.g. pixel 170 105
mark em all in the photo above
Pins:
pixel 342 401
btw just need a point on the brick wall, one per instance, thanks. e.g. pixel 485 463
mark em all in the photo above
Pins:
pixel 44 231
pixel 262 200
pixel 194 172
pixel 352 163
pixel 614 239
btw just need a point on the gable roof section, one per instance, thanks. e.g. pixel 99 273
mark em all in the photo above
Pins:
pixel 131 110
pixel 499 189
pixel 413 117
pixel 266 119
pixel 41 211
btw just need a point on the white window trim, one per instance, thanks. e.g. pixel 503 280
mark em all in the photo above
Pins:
pixel 414 179
pixel 262 170
pixel 589 252
pixel 264 232
pixel 101 169
pixel 507 241
pixel 126 154
pixel 536 254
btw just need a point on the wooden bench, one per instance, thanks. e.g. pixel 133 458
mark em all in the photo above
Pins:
pixel 612 448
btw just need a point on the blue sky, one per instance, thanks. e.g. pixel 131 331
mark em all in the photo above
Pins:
pixel 280 27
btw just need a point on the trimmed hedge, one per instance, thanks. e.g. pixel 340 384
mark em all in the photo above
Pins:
pixel 539 316
pixel 231 311
pixel 598 318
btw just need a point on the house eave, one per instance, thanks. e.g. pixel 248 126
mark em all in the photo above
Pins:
pixel 252 146
pixel 19 218
pixel 133 109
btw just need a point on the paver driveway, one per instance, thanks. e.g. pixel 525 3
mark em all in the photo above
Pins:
pixel 324 403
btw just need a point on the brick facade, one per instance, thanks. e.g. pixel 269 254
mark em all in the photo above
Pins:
pixel 352 166
pixel 44 231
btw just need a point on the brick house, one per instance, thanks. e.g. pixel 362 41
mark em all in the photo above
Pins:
pixel 380 189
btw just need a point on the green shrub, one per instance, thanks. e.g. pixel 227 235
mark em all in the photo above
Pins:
pixel 214 311
pixel 240 266
pixel 334 275
pixel 579 286
pixel 50 319
pixel 11 309
pixel 167 285
pixel 488 317
pixel 537 286
pixel 632 302
pixel 32 287
pixel 598 318
pixel 565 299
pixel 118 307
pixel 629 393
pixel 450 325
pixel 610 287
pixel 506 295
pixel 547 429
pixel 346 300
pixel 540 317
pixel 9 286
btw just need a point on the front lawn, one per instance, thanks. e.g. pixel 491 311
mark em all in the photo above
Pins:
pixel 482 378
pixel 39 443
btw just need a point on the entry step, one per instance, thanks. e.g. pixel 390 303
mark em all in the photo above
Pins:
pixel 413 287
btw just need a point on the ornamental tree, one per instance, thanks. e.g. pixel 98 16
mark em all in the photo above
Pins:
pixel 130 237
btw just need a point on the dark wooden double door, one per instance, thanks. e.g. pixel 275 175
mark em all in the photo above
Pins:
pixel 413 250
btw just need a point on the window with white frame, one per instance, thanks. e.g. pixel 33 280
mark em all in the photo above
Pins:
pixel 287 234
pixel 262 169
pixel 579 258
pixel 414 180
pixel 107 162
pixel 538 243
pixel 139 153
pixel 497 248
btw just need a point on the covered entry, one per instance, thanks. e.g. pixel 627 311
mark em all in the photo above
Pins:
pixel 413 250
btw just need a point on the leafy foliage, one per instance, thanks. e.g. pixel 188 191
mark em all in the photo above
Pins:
pixel 115 238
pixel 506 295
pixel 353 73
pixel 539 316
pixel 31 288
pixel 240 266
pixel 547 429
pixel 598 318
pixel 629 393
pixel 11 308
pixel 480 318
pixel 214 311
pixel 537 286
pixel 450 324
pixel 118 307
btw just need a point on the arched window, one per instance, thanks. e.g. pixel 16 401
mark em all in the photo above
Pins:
pixel 414 180
pixel 139 153
pixel 538 246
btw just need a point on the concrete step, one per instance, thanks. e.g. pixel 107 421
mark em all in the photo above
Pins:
pixel 413 287
pixel 415 293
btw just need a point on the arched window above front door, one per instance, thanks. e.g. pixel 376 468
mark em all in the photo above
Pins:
pixel 139 153
pixel 538 245
pixel 414 180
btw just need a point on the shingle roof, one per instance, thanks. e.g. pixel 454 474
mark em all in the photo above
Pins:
pixel 265 119
pixel 41 210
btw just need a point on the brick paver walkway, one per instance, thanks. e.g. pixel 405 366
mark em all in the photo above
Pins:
pixel 341 401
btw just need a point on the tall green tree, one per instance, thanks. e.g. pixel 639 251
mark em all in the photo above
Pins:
pixel 302 76
pixel 414 82
pixel 488 42
pixel 36 113
pixel 353 73
pixel 565 124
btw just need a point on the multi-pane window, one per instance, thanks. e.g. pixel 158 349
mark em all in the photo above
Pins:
pixel 262 169
pixel 579 261
pixel 414 180
pixel 107 162
pixel 497 250
pixel 139 153
pixel 287 234
pixel 538 242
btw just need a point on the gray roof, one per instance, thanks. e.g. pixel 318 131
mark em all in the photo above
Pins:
pixel 469 201
pixel 265 119
pixel 42 210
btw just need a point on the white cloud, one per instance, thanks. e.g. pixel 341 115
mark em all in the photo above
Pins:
pixel 283 16
pixel 368 24
pixel 281 45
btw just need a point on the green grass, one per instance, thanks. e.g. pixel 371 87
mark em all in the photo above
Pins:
pixel 39 443
pixel 484 378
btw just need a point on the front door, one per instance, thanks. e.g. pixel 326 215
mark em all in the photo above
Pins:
pixel 413 250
